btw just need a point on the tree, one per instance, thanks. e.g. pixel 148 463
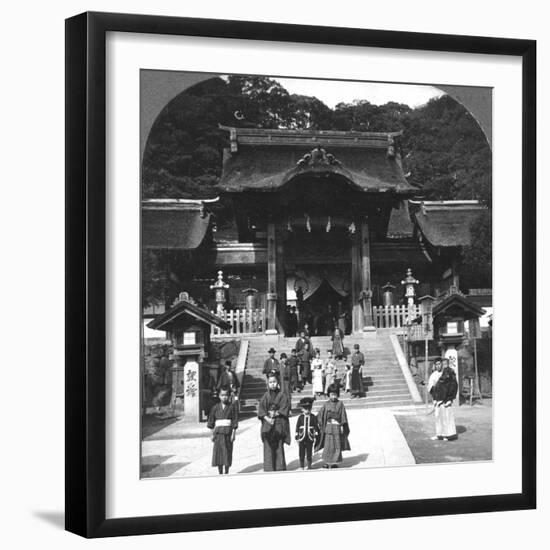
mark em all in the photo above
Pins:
pixel 443 149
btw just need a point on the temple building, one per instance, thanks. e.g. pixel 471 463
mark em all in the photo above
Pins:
pixel 324 221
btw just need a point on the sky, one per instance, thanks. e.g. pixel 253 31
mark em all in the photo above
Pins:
pixel 332 92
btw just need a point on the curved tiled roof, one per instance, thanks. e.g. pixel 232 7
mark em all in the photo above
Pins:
pixel 447 223
pixel 266 160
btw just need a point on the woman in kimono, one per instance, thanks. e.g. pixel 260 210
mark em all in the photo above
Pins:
pixel 331 371
pixel 318 371
pixel 273 412
pixel 337 341
pixel 223 421
pixel 334 428
pixel 444 393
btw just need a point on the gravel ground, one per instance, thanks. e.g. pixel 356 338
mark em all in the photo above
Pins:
pixel 474 428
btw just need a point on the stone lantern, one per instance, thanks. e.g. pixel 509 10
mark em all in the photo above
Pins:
pixel 388 296
pixel 220 286
pixel 189 326
pixel 410 291
pixel 250 297
pixel 450 314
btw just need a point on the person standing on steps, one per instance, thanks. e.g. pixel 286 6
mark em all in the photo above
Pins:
pixel 294 371
pixel 331 371
pixel 357 362
pixel 271 363
pixel 337 341
pixel 228 379
pixel 302 341
pixel 284 374
pixel 318 370
pixel 305 364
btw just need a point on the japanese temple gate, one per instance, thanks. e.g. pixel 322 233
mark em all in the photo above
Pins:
pixel 317 216
pixel 334 190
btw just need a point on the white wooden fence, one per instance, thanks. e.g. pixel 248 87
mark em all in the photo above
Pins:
pixel 393 316
pixel 242 321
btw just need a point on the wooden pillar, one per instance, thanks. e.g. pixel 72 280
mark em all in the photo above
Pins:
pixel 280 283
pixel 366 290
pixel 356 284
pixel 272 272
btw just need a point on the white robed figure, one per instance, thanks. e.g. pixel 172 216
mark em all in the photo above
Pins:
pixel 318 371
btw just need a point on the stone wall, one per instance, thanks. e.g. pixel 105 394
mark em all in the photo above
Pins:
pixel 157 376
pixel 157 369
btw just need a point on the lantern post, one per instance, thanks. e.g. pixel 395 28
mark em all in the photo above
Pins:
pixel 219 287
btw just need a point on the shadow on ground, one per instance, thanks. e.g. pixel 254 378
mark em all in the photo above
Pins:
pixel 57 519
pixel 348 462
pixel 156 466
pixel 474 429
pixel 151 424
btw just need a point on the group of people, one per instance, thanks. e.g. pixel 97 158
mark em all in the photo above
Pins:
pixel 443 387
pixel 318 323
pixel 329 430
pixel 306 366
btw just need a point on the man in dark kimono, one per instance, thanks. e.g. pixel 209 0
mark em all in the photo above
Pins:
pixel 357 362
pixel 284 374
pixel 302 341
pixel 334 429
pixel 304 356
pixel 271 363
pixel 228 379
pixel 273 411
pixel 294 372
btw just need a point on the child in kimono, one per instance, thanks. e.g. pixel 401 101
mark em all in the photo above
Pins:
pixel 318 371
pixel 307 430
pixel 223 421
pixel 334 429
pixel 273 412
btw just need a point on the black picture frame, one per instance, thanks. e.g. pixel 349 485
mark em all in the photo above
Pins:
pixel 86 283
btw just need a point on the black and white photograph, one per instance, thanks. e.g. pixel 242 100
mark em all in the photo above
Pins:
pixel 290 263
pixel 316 275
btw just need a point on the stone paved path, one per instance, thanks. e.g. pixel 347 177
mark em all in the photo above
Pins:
pixel 183 450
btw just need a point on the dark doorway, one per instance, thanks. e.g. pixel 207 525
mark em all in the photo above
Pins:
pixel 325 308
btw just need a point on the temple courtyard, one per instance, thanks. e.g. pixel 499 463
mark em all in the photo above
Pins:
pixel 379 437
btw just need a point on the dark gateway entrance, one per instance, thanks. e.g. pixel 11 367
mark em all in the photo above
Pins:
pixel 325 309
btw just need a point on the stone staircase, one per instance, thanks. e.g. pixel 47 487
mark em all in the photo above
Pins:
pixel 383 380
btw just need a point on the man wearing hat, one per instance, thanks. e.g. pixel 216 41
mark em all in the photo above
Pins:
pixel 271 363
pixel 307 430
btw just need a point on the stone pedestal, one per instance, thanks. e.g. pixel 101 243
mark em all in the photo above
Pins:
pixel 191 384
